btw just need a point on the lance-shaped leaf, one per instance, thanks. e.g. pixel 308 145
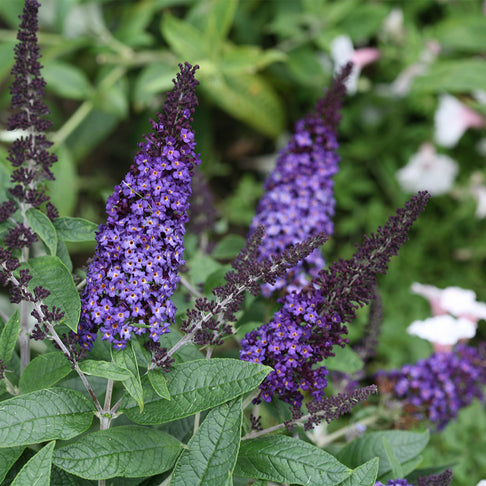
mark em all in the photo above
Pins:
pixel 211 453
pixel 126 358
pixel 8 457
pixel 50 273
pixel 159 384
pixel 8 337
pixel 75 229
pixel 104 369
pixel 44 371
pixel 406 445
pixel 364 475
pixel 284 459
pixel 57 413
pixel 196 386
pixel 127 451
pixel 37 471
pixel 43 227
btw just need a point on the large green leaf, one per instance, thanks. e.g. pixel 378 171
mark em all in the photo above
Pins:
pixel 37 471
pixel 7 460
pixel 195 386
pixel 50 273
pixel 8 337
pixel 44 371
pixel 453 76
pixel 406 445
pixel 218 20
pixel 66 80
pixel 128 451
pixel 126 358
pixel 105 369
pixel 364 475
pixel 249 98
pixel 284 459
pixel 463 32
pixel 211 453
pixel 43 227
pixel 57 413
pixel 75 229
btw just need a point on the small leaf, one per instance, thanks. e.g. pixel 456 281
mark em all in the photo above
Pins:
pixel 104 369
pixel 396 468
pixel 126 358
pixel 66 80
pixel 195 386
pixel 50 273
pixel 43 227
pixel 8 338
pixel 37 471
pixel 159 383
pixel 127 451
pixel 345 360
pixel 218 21
pixel 153 79
pixel 406 446
pixel 43 415
pixel 284 459
pixel 44 371
pixel 75 229
pixel 211 453
pixel 364 475
pixel 8 457
pixel 228 247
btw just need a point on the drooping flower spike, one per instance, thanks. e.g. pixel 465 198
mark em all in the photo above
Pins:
pixel 298 200
pixel 139 250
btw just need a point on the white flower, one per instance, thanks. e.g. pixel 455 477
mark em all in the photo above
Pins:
pixel 444 329
pixel 428 171
pixel 482 482
pixel 452 119
pixel 342 52
pixel 462 302
pixel 393 26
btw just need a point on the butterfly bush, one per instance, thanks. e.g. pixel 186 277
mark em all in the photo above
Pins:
pixel 435 389
pixel 311 321
pixel 299 200
pixel 139 250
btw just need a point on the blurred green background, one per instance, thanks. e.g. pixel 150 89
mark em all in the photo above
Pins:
pixel 263 64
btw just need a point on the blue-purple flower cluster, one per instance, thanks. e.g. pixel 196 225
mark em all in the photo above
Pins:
pixel 394 482
pixel 292 343
pixel 139 250
pixel 298 201
pixel 437 387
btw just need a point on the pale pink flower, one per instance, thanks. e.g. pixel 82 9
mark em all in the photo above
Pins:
pixel 428 171
pixel 343 51
pixel 452 119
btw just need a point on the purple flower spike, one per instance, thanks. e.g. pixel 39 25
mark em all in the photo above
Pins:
pixel 134 272
pixel 299 200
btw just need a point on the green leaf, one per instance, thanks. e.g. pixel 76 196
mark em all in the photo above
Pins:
pixel 127 451
pixel 104 369
pixel 195 386
pixel 284 459
pixel 249 98
pixel 184 39
pixel 37 471
pixel 218 21
pixel 453 76
pixel 43 227
pixel 248 59
pixel 345 360
pixel 66 80
pixel 159 384
pixel 216 279
pixel 50 273
pixel 211 453
pixel 153 79
pixel 127 359
pixel 396 468
pixel 406 469
pixel 8 457
pixel 406 446
pixel 462 32
pixel 63 254
pixel 57 413
pixel 44 371
pixel 189 352
pixel 75 229
pixel 8 338
pixel 364 475
pixel 229 247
